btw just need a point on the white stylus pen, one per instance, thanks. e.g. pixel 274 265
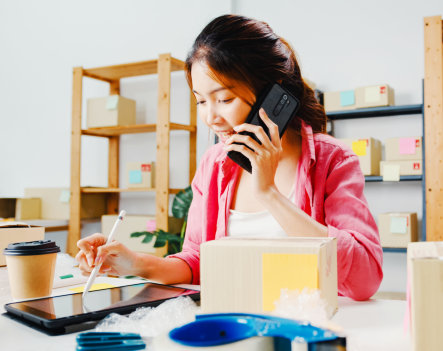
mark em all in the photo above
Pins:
pixel 97 268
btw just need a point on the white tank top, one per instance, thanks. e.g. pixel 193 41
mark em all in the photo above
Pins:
pixel 255 224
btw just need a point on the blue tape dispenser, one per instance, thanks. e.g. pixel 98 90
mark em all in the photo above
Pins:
pixel 220 329
pixel 109 341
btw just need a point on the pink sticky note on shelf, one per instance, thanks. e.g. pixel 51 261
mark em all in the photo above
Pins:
pixel 406 146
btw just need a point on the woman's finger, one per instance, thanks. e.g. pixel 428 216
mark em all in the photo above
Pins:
pixel 272 127
pixel 89 246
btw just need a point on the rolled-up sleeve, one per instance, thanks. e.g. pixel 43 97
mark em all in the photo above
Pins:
pixel 347 215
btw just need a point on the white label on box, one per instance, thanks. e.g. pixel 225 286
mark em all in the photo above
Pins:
pixel 391 172
pixel 372 94
pixel 65 196
pixel 399 225
pixel 112 102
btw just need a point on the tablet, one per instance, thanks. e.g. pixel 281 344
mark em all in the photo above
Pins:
pixel 58 312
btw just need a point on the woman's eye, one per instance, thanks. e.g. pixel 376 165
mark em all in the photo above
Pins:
pixel 225 101
pixel 200 102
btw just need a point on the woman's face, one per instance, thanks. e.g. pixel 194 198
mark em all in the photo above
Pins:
pixel 218 107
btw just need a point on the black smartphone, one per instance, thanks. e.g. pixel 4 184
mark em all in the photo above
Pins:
pixel 280 106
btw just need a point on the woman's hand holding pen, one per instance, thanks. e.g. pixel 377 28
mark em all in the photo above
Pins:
pixel 117 259
pixel 264 158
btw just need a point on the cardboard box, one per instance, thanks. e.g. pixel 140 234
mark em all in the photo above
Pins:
pixel 408 167
pixel 247 274
pixel 368 152
pixel 339 100
pixel 7 207
pixel 425 269
pixel 137 223
pixel 55 203
pixel 14 232
pixel 397 229
pixel 109 111
pixel 374 96
pixel 140 174
pixel 20 208
pixel 398 149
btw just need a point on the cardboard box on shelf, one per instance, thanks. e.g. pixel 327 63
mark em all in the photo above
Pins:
pixel 28 208
pixel 425 272
pixel 138 223
pixel 55 203
pixel 113 110
pixel 374 96
pixel 14 232
pixel 140 174
pixel 406 167
pixel 369 154
pixel 20 208
pixel 398 149
pixel 397 229
pixel 7 207
pixel 232 268
pixel 339 100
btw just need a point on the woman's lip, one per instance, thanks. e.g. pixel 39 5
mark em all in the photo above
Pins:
pixel 224 135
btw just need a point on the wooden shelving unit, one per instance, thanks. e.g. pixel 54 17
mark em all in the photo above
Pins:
pixel 433 106
pixel 163 66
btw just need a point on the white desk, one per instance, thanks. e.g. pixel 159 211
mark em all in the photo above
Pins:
pixel 370 325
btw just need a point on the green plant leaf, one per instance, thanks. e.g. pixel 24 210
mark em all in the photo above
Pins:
pixel 182 202
pixel 148 238
pixel 138 234
pixel 160 242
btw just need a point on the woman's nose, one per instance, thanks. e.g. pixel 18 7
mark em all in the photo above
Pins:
pixel 211 115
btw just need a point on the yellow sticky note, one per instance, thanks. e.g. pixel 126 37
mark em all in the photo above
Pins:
pixel 287 271
pixel 391 172
pixel 100 286
pixel 359 147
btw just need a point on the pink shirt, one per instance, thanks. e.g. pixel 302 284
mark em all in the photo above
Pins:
pixel 329 187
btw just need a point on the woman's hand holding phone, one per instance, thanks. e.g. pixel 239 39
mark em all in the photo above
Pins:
pixel 264 158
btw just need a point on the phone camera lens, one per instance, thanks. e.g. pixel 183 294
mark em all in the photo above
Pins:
pixel 285 97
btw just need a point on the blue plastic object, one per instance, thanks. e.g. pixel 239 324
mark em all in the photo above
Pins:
pixel 109 341
pixel 225 328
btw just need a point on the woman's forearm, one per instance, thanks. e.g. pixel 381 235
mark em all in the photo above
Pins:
pixel 162 270
pixel 292 219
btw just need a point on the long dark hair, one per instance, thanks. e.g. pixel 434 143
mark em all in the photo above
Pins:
pixel 247 51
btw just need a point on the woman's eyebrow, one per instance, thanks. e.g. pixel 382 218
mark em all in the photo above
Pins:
pixel 212 91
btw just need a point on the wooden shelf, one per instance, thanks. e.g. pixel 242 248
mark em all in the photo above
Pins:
pixel 116 72
pixel 384 111
pixel 133 129
pixel 402 178
pixel 92 190
pixel 162 67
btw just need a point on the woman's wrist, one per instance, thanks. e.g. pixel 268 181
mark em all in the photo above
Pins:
pixel 144 264
pixel 266 197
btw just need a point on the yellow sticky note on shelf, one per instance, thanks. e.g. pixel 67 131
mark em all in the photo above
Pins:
pixel 99 286
pixel 290 271
pixel 359 147
pixel 391 172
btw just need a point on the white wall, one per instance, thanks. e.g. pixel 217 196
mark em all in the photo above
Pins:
pixel 40 43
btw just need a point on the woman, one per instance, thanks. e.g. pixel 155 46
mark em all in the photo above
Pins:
pixel 304 184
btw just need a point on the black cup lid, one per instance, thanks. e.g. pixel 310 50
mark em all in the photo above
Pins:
pixel 28 248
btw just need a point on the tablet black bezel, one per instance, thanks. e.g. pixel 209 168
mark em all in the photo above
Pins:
pixel 60 323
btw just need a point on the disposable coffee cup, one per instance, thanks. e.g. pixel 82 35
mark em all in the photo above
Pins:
pixel 31 267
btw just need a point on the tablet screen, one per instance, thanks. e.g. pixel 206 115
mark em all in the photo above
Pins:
pixel 100 300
